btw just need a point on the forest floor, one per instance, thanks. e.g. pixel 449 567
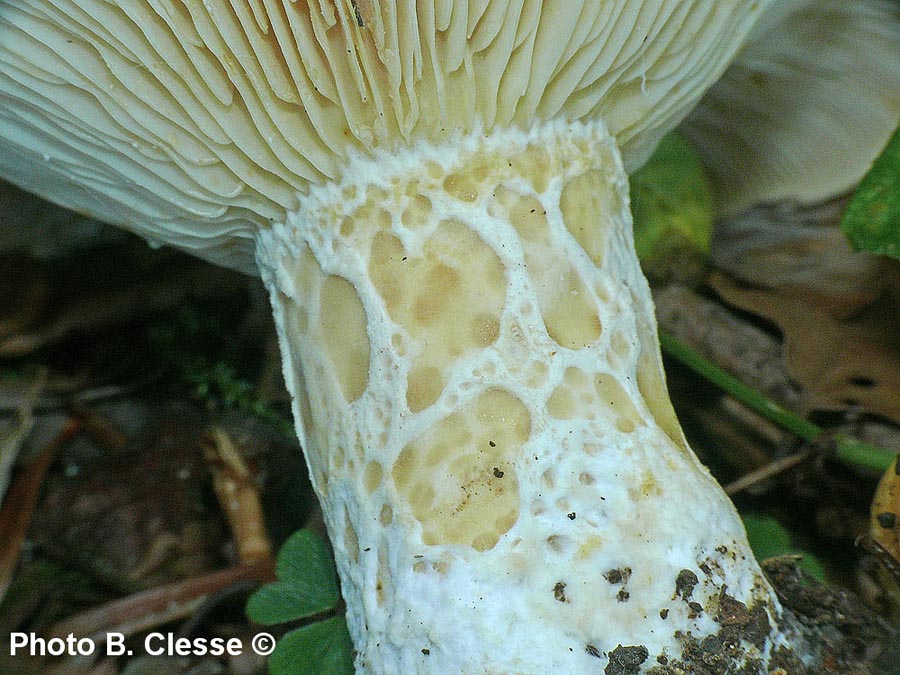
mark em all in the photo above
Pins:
pixel 141 399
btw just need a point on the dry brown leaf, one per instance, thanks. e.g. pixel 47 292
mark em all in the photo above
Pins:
pixel 839 310
pixel 885 526
pixel 104 512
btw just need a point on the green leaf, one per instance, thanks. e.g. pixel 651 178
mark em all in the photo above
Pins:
pixel 769 539
pixel 671 202
pixel 872 219
pixel 307 584
pixel 321 648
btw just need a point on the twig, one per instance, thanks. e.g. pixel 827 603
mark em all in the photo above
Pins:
pixel 50 403
pixel 238 495
pixel 18 507
pixel 212 601
pixel 11 442
pixel 157 606
pixel 847 450
pixel 771 469
pixel 100 429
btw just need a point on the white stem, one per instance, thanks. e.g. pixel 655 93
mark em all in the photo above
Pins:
pixel 472 353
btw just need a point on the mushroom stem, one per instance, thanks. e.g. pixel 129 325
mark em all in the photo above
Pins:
pixel 477 385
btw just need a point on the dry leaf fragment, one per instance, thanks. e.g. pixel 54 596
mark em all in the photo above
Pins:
pixel 839 310
pixel 884 534
pixel 885 524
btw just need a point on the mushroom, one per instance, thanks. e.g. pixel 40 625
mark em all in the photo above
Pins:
pixel 809 101
pixel 435 195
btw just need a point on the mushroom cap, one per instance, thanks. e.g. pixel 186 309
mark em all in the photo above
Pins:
pixel 806 106
pixel 195 124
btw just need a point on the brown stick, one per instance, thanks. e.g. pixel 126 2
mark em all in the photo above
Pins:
pixel 157 606
pixel 238 496
pixel 103 431
pixel 18 507
pixel 764 472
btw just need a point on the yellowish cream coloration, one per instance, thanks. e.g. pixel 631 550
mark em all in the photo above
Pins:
pixel 480 396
